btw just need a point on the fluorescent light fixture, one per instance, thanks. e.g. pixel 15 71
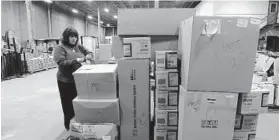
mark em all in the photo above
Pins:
pixel 108 25
pixel 48 1
pixel 101 22
pixel 106 10
pixel 115 16
pixel 74 10
pixel 89 17
pixel 89 0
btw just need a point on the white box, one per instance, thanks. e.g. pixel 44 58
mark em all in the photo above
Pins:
pixel 85 131
pixel 137 47
pixel 271 95
pixel 165 60
pixel 216 53
pixel 134 96
pixel 254 102
pixel 166 100
pixel 96 81
pixel 167 134
pixel 206 115
pixel 244 136
pixel 167 80
pixel 96 111
pixel 165 119
pixel 246 123
pixel 163 21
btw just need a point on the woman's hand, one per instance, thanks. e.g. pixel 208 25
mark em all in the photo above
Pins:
pixel 80 60
pixel 89 57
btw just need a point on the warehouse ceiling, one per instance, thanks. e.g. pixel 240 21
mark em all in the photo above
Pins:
pixel 91 7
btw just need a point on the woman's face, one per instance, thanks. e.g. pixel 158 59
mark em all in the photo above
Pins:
pixel 72 40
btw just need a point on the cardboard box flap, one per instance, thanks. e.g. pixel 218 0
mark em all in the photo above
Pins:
pixel 100 68
pixel 100 103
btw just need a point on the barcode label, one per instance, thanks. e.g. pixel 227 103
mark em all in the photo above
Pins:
pixel 160 61
pixel 161 81
pixel 161 120
pixel 161 100
pixel 160 138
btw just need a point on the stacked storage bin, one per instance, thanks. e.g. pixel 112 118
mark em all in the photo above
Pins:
pixel 166 95
pixel 96 106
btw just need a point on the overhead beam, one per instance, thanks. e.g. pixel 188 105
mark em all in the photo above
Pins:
pixel 123 4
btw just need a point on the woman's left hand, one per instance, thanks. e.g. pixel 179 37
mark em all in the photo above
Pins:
pixel 89 57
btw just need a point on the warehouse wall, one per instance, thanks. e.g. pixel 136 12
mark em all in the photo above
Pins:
pixel 14 13
pixel 39 20
pixel 13 17
pixel 257 9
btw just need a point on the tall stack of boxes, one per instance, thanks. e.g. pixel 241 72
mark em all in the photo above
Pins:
pixel 217 62
pixel 134 89
pixel 250 105
pixel 163 33
pixel 97 103
pixel 166 95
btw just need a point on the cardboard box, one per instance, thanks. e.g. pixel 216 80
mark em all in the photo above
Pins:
pixel 137 47
pixel 134 96
pixel 167 134
pixel 86 131
pixel 151 21
pixel 167 80
pixel 166 100
pixel 117 47
pixel 96 111
pixel 166 60
pixel 254 102
pixel 271 95
pixel 244 136
pixel 96 81
pixel 158 43
pixel 246 123
pixel 165 119
pixel 217 48
pixel 209 115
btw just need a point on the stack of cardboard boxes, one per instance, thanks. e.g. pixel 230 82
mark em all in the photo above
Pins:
pixel 217 62
pixel 96 106
pixel 249 106
pixel 134 88
pixel 166 95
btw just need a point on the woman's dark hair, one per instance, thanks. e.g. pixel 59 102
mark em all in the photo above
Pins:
pixel 70 31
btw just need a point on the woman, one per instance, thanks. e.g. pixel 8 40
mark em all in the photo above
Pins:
pixel 69 57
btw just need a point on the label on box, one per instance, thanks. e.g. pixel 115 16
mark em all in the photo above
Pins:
pixel 244 136
pixel 265 100
pixel 165 134
pixel 166 119
pixel 241 22
pixel 127 50
pixel 173 98
pixel 173 79
pixel 144 47
pixel 246 122
pixel 167 100
pixel 171 60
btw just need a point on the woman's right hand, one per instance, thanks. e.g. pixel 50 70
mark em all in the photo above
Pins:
pixel 80 60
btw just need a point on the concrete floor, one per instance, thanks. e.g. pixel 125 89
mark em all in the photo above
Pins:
pixel 31 110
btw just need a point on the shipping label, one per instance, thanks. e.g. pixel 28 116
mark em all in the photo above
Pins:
pixel 127 50
pixel 209 123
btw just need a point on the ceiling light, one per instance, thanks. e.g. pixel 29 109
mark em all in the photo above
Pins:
pixel 89 0
pixel 108 25
pixel 89 17
pixel 48 1
pixel 74 10
pixel 101 22
pixel 106 10
pixel 115 16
